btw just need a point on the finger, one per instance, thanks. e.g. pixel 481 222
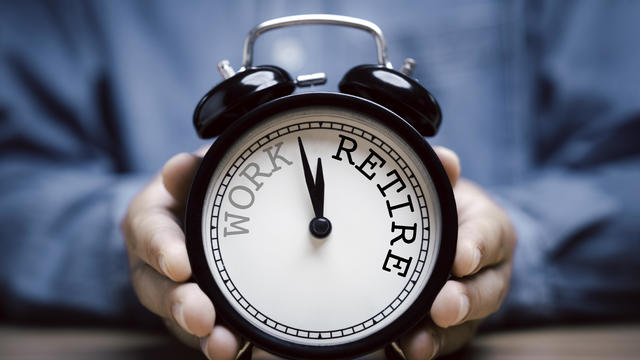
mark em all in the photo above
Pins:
pixel 472 298
pixel 183 303
pixel 186 338
pixel 221 344
pixel 421 343
pixel 178 173
pixel 155 236
pixel 451 163
pixel 485 235
pixel 428 341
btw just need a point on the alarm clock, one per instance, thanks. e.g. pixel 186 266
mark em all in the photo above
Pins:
pixel 321 225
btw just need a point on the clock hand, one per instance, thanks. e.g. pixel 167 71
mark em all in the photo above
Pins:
pixel 308 177
pixel 319 226
pixel 319 190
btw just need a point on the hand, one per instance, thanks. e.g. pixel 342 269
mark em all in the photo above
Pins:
pixel 315 188
pixel 481 271
pixel 160 265
pixel 319 226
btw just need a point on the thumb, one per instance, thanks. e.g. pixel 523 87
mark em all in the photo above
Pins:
pixel 450 162
pixel 177 174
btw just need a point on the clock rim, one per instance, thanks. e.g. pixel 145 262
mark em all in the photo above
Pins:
pixel 407 320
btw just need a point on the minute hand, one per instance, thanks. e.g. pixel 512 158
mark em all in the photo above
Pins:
pixel 315 188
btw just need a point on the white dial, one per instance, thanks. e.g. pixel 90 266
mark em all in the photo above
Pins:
pixel 372 266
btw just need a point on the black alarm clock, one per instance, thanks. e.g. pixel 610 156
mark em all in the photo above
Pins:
pixel 321 225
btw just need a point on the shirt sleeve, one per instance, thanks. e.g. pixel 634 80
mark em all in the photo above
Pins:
pixel 576 213
pixel 64 180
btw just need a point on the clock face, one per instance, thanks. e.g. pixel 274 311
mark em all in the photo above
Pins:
pixel 373 273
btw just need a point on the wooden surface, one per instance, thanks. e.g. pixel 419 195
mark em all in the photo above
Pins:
pixel 585 342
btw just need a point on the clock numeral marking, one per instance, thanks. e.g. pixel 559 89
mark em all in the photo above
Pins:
pixel 258 164
pixel 256 173
pixel 239 219
pixel 274 157
pixel 409 203
pixel 393 181
pixel 371 164
pixel 403 235
pixel 400 264
pixel 243 204
pixel 348 150
pixel 242 197
pixel 397 179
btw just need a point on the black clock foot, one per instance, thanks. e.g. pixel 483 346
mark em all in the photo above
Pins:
pixel 320 227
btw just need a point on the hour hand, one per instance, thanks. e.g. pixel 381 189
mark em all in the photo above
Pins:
pixel 308 177
pixel 318 194
pixel 319 226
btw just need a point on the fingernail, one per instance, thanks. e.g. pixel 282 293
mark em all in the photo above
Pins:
pixel 163 265
pixel 435 346
pixel 464 308
pixel 477 256
pixel 178 315
pixel 203 346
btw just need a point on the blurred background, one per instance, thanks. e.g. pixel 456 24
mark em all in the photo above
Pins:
pixel 540 100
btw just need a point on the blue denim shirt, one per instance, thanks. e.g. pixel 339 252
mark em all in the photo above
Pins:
pixel 540 100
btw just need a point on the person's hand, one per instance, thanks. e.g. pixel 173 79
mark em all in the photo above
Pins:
pixel 481 271
pixel 160 265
